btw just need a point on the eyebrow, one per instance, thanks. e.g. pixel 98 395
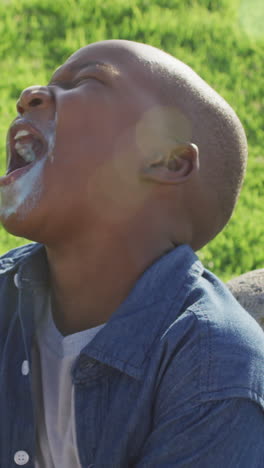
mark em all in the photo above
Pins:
pixel 105 67
pixel 97 64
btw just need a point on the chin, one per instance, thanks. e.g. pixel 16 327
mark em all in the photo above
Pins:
pixel 17 227
pixel 24 222
pixel 20 200
pixel 17 220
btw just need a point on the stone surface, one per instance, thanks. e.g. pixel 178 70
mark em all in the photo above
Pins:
pixel 248 289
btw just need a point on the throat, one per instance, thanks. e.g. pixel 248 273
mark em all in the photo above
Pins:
pixel 70 319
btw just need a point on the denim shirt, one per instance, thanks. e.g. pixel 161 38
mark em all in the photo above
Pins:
pixel 174 379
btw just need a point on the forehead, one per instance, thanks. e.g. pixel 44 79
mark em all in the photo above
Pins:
pixel 107 56
pixel 128 66
pixel 126 60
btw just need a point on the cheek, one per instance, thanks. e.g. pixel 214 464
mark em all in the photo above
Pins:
pixel 80 138
pixel 95 147
pixel 88 124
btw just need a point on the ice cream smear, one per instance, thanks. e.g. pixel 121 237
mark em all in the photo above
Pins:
pixel 21 194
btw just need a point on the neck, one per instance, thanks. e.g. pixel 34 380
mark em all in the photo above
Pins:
pixel 91 277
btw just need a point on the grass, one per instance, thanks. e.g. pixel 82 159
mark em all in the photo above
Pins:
pixel 221 39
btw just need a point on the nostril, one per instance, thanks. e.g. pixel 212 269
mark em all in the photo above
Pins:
pixel 35 102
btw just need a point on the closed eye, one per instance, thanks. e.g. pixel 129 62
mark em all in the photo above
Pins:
pixel 61 84
pixel 84 79
pixel 73 83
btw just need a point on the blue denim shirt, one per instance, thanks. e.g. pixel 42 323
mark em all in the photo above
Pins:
pixel 174 379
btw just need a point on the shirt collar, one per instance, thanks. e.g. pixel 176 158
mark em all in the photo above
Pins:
pixel 32 267
pixel 126 342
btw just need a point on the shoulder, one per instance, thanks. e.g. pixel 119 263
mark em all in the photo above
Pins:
pixel 215 347
pixel 10 260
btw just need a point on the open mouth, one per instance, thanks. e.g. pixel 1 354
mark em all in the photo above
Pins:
pixel 25 146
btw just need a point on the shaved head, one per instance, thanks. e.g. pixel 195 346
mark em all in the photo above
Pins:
pixel 191 110
pixel 188 109
pixel 184 108
pixel 213 127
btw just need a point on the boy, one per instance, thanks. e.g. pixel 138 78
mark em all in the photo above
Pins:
pixel 118 349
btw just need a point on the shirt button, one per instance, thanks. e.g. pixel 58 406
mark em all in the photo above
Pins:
pixel 16 280
pixel 21 457
pixel 25 368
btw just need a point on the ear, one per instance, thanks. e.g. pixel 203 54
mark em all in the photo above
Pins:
pixel 175 168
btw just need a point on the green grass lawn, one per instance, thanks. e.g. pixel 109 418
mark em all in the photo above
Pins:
pixel 221 39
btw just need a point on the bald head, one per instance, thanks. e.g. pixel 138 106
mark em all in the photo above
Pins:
pixel 188 135
pixel 196 113
pixel 188 109
pixel 185 109
pixel 210 123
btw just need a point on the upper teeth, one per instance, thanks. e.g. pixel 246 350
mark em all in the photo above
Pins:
pixel 21 133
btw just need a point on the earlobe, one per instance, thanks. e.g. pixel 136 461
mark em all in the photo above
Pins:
pixel 175 168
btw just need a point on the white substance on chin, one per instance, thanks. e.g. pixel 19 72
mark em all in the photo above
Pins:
pixel 22 194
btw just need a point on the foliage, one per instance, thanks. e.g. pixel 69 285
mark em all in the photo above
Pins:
pixel 212 36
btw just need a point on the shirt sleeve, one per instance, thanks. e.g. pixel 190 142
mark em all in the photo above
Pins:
pixel 220 434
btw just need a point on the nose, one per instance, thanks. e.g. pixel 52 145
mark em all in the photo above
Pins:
pixel 34 96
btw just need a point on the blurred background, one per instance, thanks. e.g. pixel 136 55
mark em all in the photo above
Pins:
pixel 223 40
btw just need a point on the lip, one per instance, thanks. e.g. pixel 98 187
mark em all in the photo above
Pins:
pixel 17 125
pixel 12 176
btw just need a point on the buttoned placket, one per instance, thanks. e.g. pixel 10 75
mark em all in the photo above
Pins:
pixel 22 456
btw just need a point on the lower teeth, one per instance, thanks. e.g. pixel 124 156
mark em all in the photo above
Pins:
pixel 26 152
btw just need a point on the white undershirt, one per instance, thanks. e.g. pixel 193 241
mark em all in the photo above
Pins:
pixel 52 358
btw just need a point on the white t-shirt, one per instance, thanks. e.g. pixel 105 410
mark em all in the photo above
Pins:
pixel 52 358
